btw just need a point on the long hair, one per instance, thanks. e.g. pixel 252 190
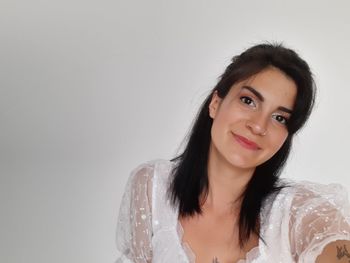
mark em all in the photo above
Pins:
pixel 189 179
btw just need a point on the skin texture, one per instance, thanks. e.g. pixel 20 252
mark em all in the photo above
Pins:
pixel 213 236
pixel 335 252
pixel 230 166
pixel 250 117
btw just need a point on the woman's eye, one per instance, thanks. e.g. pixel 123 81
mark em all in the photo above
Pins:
pixel 280 119
pixel 247 100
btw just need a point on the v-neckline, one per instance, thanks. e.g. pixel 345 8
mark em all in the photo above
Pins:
pixel 252 254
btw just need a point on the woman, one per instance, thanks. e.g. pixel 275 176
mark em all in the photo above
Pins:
pixel 221 199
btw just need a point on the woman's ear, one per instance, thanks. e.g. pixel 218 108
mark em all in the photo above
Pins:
pixel 214 104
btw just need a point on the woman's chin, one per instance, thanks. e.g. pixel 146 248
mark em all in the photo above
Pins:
pixel 241 163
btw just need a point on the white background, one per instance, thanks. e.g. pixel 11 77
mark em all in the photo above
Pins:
pixel 90 89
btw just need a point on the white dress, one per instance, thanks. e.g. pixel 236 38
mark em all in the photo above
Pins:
pixel 296 224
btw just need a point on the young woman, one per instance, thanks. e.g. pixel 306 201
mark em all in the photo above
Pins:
pixel 221 199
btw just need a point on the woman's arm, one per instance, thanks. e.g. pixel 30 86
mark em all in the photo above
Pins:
pixel 335 252
pixel 320 224
pixel 134 228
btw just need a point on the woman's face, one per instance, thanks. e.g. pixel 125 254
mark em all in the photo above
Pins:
pixel 249 124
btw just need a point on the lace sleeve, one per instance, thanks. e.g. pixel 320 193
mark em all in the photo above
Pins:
pixel 134 227
pixel 320 214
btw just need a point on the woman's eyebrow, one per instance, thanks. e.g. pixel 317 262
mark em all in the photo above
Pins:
pixel 255 92
pixel 281 108
pixel 261 98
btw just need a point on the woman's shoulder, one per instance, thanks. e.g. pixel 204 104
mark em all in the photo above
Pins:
pixel 148 170
pixel 318 215
pixel 304 198
pixel 334 193
pixel 309 215
pixel 150 165
pixel 313 198
pixel 153 163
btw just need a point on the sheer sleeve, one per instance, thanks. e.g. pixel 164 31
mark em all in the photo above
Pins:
pixel 134 227
pixel 320 214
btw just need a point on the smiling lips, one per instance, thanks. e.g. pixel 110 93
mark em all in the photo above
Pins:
pixel 246 143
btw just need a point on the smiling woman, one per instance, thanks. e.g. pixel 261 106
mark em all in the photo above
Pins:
pixel 255 111
pixel 221 199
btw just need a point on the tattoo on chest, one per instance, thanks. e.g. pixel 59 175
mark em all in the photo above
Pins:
pixel 342 252
pixel 215 260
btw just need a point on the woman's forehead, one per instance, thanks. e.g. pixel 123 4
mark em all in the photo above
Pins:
pixel 272 85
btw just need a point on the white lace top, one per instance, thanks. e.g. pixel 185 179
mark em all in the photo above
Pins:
pixel 296 224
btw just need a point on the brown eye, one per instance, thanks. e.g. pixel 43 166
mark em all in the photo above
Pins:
pixel 247 100
pixel 281 119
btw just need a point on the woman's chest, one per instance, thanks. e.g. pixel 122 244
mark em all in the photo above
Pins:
pixel 214 239
pixel 190 242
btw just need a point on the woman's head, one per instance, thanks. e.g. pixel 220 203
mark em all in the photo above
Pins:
pixel 245 67
pixel 259 68
pixel 250 124
pixel 260 57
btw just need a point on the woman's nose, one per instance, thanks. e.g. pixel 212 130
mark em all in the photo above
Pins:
pixel 257 125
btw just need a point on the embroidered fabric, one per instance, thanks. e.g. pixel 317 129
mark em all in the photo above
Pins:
pixel 296 224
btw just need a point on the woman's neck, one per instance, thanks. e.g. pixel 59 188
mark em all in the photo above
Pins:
pixel 226 185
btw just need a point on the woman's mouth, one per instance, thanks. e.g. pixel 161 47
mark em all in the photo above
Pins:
pixel 244 142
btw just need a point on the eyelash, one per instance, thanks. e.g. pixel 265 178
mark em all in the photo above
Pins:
pixel 284 120
pixel 245 98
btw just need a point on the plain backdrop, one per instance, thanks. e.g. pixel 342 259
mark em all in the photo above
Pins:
pixel 90 89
